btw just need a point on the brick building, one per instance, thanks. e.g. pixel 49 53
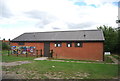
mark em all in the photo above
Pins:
pixel 80 44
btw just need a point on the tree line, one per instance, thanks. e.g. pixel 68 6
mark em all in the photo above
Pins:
pixel 112 38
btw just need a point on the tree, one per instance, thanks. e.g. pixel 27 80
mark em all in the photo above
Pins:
pixel 118 44
pixel 111 38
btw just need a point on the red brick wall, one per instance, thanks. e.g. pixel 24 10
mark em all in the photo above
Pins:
pixel 88 51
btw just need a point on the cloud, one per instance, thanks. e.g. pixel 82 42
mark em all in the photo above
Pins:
pixel 47 15
pixel 84 25
pixel 16 31
pixel 5 12
pixel 43 17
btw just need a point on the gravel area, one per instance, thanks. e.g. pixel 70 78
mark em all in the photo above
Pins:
pixel 14 63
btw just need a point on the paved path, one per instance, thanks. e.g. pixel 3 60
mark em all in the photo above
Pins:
pixel 82 62
pixel 41 58
pixel 15 63
pixel 46 58
pixel 113 59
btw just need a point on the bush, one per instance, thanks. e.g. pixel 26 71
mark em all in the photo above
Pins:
pixel 5 46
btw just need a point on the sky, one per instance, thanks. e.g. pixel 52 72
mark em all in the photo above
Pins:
pixel 20 16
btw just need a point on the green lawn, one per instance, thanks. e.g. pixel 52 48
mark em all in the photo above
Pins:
pixel 60 70
pixel 11 58
pixel 65 70
pixel 15 58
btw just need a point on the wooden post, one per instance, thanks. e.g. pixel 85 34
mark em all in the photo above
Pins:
pixel 36 53
pixel 51 53
pixel 17 52
pixel 26 53
pixel 41 53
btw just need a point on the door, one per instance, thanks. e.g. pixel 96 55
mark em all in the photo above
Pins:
pixel 46 49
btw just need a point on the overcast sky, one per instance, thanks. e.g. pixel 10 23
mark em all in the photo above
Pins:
pixel 19 16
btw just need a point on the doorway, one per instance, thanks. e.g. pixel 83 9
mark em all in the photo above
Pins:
pixel 46 49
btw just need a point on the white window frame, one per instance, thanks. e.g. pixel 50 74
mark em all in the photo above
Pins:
pixel 78 44
pixel 69 45
pixel 57 44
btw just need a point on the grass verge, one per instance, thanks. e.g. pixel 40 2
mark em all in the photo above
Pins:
pixel 65 70
pixel 106 60
pixel 59 70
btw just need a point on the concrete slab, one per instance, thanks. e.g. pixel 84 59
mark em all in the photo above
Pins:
pixel 41 58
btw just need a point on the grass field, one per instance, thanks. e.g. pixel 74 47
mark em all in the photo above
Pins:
pixel 60 70
pixel 6 58
pixel 15 58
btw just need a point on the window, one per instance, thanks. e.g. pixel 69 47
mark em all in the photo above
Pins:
pixel 20 43
pixel 58 44
pixel 78 44
pixel 55 45
pixel 69 44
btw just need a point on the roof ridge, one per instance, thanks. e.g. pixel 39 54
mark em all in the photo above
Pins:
pixel 61 31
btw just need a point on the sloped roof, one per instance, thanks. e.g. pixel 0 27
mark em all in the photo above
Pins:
pixel 78 35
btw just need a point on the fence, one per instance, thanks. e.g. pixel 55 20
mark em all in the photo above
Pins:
pixel 26 53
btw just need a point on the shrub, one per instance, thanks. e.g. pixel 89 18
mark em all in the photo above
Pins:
pixel 5 46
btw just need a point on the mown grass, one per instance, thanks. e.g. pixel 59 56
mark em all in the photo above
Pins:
pixel 66 70
pixel 15 58
pixel 60 70
pixel 11 58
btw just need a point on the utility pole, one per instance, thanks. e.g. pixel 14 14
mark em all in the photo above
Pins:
pixel 118 21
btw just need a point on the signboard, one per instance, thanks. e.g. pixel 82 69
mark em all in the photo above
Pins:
pixel 107 53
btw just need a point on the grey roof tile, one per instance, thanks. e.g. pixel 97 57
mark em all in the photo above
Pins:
pixel 78 35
